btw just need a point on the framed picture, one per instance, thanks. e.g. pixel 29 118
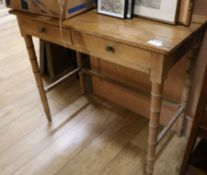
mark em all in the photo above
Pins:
pixel 161 10
pixel 116 8
pixel 185 12
pixel 130 11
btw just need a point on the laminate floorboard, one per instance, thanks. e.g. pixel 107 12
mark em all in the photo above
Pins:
pixel 88 136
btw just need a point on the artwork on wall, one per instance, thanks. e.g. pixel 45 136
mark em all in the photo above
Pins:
pixel 116 8
pixel 162 10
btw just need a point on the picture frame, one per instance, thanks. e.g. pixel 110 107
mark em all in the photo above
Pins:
pixel 130 10
pixel 115 8
pixel 185 12
pixel 159 10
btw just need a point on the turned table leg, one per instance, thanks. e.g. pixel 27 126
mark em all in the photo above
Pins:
pixel 187 87
pixel 38 79
pixel 155 108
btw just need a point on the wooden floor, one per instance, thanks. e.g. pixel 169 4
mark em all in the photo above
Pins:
pixel 87 137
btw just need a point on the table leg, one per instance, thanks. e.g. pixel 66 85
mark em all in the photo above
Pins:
pixel 38 79
pixel 81 76
pixel 155 109
pixel 187 87
pixel 188 152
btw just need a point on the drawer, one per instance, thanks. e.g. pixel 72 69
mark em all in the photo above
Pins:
pixel 112 51
pixel 46 32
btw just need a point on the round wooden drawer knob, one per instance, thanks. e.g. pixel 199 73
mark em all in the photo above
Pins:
pixel 109 48
pixel 42 30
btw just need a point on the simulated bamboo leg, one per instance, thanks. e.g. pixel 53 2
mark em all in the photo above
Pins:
pixel 81 75
pixel 187 88
pixel 85 80
pixel 35 68
pixel 153 126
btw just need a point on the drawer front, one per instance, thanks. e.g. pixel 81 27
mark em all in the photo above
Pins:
pixel 46 32
pixel 115 52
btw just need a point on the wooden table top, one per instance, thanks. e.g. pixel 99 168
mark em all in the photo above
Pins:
pixel 137 32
